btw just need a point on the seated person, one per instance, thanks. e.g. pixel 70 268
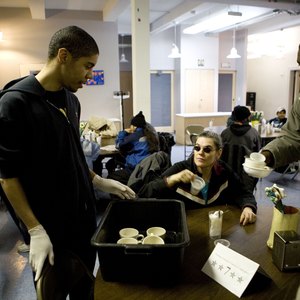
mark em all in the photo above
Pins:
pixel 280 118
pixel 222 185
pixel 135 143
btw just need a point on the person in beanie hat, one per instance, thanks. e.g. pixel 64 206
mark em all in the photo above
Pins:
pixel 241 114
pixel 240 132
pixel 280 118
pixel 138 120
pixel 135 143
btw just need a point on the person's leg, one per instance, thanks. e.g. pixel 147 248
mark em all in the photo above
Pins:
pixel 120 175
pixel 98 166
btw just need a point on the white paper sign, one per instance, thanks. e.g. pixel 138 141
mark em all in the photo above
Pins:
pixel 230 269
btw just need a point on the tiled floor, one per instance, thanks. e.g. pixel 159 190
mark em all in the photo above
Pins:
pixel 15 274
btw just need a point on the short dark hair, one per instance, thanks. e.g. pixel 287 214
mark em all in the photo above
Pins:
pixel 77 41
pixel 214 136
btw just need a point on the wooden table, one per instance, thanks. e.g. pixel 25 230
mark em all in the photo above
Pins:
pixel 249 241
pixel 105 152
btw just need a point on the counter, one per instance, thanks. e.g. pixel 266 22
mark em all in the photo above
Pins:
pixel 183 120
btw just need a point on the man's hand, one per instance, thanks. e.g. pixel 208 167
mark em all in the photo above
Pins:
pixel 269 158
pixel 113 187
pixel 40 248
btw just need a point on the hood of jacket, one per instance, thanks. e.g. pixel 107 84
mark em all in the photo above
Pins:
pixel 27 84
pixel 239 130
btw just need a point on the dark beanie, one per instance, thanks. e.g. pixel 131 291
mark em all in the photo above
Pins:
pixel 138 120
pixel 241 113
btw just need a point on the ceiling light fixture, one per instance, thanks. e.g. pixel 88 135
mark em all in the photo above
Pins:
pixel 175 51
pixel 225 19
pixel 123 57
pixel 233 52
pixel 215 22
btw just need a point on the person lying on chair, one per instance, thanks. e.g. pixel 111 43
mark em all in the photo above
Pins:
pixel 135 143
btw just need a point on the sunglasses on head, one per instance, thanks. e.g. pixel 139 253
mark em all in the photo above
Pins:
pixel 206 149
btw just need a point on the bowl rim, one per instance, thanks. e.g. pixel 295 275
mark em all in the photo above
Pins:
pixel 259 169
pixel 260 155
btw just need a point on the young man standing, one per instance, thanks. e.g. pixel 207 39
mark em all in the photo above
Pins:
pixel 42 166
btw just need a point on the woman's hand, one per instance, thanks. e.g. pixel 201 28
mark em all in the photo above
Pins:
pixel 185 176
pixel 247 216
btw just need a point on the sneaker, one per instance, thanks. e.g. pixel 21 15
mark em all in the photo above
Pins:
pixel 23 248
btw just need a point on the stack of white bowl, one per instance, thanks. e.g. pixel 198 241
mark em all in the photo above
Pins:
pixel 255 165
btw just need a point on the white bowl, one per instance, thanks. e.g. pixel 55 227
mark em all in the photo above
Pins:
pixel 257 156
pixel 254 163
pixel 257 172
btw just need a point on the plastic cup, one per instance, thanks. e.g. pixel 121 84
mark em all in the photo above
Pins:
pixel 222 241
pixel 215 224
pixel 197 185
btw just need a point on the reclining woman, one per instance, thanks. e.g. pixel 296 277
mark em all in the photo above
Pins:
pixel 222 185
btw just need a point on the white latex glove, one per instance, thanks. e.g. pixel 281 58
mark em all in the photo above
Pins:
pixel 40 248
pixel 113 187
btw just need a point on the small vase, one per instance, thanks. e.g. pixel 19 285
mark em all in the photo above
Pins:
pixel 254 122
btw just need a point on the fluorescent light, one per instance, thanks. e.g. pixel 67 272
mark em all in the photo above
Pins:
pixel 211 24
pixel 174 52
pixel 224 19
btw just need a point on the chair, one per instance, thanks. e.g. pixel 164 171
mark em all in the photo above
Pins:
pixel 191 134
pixel 57 281
pixel 149 169
pixel 166 142
pixel 292 168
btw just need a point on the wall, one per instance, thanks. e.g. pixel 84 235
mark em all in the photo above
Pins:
pixel 269 76
pixel 26 42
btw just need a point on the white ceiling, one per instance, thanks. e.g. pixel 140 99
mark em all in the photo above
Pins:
pixel 165 13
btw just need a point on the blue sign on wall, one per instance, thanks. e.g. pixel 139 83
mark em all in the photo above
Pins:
pixel 98 78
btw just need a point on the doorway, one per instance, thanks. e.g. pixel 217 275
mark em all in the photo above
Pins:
pixel 226 91
pixel 162 100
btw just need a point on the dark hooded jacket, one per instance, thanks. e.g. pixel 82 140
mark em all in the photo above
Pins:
pixel 41 146
pixel 244 134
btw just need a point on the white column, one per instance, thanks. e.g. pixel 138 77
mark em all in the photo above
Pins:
pixel 141 57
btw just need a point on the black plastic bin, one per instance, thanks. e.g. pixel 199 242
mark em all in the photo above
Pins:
pixel 142 263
